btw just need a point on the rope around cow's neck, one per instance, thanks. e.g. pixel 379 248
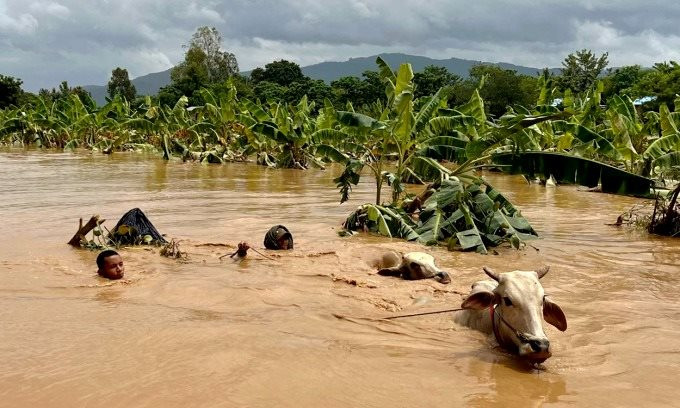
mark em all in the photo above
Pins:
pixel 521 336
pixel 492 311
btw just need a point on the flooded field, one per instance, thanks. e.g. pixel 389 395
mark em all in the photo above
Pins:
pixel 262 333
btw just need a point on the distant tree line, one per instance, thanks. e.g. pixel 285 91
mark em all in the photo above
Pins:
pixel 206 65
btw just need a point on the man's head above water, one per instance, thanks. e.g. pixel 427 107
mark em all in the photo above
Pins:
pixel 278 237
pixel 110 265
pixel 284 239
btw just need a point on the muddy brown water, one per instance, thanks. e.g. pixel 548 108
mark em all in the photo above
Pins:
pixel 262 333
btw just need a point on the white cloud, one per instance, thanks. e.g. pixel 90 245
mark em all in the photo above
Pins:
pixel 22 24
pixel 46 41
pixel 362 9
pixel 50 7
pixel 644 47
pixel 200 13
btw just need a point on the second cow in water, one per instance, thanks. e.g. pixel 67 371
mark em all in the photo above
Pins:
pixel 411 266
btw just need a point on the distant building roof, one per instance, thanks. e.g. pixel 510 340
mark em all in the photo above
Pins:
pixel 643 100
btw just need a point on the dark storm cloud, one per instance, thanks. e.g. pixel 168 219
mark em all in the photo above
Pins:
pixel 44 42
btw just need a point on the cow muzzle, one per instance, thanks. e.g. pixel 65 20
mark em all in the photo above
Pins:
pixel 536 350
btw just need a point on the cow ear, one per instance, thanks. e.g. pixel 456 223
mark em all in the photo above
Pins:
pixel 479 300
pixel 554 315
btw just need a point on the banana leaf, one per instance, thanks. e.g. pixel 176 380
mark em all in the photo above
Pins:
pixel 668 126
pixel 387 75
pixel 662 146
pixel 448 148
pixel 451 225
pixel 256 110
pixel 431 232
pixel 404 80
pixel 430 109
pixel 446 125
pixel 140 124
pixel 587 136
pixel 499 198
pixel 374 215
pixel 411 177
pixel 447 194
pixel 330 153
pixel 482 204
pixel 575 170
pixel 329 136
pixel 470 238
pixel 475 108
pixel 399 223
pixel 386 221
pixel 427 169
pixel 350 176
pixel 270 130
pixel 667 160
pixel 358 120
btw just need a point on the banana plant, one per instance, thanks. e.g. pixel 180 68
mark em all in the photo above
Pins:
pixel 664 152
pixel 395 146
pixel 458 210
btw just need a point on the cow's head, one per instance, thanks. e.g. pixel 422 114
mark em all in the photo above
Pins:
pixel 520 302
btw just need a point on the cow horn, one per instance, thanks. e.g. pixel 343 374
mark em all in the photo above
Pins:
pixel 491 273
pixel 542 271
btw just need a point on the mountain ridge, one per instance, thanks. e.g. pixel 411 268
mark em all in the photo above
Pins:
pixel 329 71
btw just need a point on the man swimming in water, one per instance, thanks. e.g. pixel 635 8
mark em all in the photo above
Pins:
pixel 278 237
pixel 110 265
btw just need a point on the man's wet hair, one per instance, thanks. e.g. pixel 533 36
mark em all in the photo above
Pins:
pixel 103 255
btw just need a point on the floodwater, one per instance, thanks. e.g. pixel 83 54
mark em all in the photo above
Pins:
pixel 263 333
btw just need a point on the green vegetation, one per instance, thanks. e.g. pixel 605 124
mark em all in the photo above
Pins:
pixel 580 70
pixel 401 127
pixel 120 84
pixel 10 91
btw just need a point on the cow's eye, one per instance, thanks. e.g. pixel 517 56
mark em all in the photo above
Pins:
pixel 507 301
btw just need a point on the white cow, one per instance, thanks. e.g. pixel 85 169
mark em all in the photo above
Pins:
pixel 510 306
pixel 412 266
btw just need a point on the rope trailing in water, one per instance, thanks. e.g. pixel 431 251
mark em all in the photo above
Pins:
pixel 423 313
pixel 343 317
pixel 261 254
pixel 242 251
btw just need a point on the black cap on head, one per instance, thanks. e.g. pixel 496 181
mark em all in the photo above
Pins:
pixel 276 233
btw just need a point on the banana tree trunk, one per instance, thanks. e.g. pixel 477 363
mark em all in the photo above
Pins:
pixel 378 185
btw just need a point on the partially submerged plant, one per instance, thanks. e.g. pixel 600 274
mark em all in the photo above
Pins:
pixel 666 217
pixel 128 235
pixel 469 217
pixel 460 209
pixel 171 250
pixel 98 241
pixel 661 218
pixel 638 216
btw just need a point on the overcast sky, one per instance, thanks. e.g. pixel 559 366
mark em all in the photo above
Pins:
pixel 45 42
